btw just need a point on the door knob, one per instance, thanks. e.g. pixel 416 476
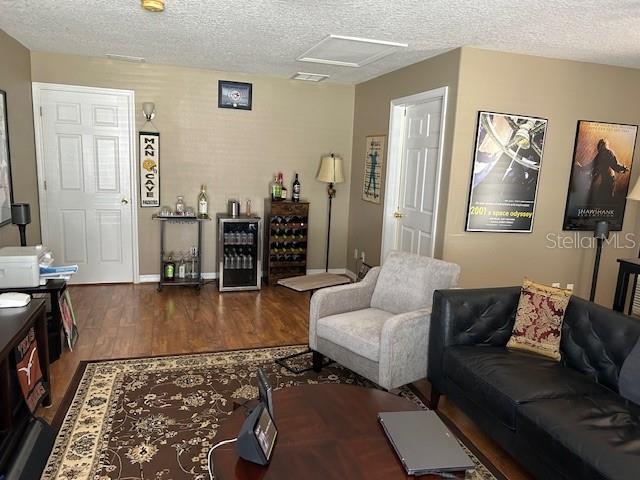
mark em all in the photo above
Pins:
pixel 124 201
pixel 398 214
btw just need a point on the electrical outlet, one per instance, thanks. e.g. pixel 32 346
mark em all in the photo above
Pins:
pixel 570 286
pixel 556 285
pixel 362 257
pixel 355 254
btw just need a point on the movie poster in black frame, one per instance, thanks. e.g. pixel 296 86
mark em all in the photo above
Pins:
pixel 600 174
pixel 505 177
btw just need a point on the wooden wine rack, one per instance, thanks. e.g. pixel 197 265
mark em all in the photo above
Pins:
pixel 285 246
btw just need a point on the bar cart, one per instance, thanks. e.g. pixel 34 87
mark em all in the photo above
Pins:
pixel 195 279
pixel 239 252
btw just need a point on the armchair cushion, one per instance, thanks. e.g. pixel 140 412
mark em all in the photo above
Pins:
pixel 357 331
pixel 406 282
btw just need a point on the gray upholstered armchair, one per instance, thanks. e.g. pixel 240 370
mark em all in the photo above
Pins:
pixel 379 327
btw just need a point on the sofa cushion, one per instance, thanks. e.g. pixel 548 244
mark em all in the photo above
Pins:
pixel 629 381
pixel 358 331
pixel 498 379
pixel 587 437
pixel 539 319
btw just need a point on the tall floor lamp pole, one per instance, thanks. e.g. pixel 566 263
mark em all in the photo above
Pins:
pixel 330 172
pixel 601 233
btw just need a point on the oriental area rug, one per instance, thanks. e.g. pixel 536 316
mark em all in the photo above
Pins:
pixel 156 418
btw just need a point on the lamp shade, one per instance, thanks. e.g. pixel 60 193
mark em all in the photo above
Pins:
pixel 330 170
pixel 635 192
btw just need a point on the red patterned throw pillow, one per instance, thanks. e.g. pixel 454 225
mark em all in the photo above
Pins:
pixel 538 325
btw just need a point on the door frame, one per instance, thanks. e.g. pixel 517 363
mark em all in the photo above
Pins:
pixel 394 164
pixel 37 88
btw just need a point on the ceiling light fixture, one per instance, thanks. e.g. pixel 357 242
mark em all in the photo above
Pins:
pixel 124 58
pixel 153 5
pixel 310 77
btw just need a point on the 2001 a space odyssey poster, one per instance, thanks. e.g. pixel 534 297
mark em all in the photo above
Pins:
pixel 506 165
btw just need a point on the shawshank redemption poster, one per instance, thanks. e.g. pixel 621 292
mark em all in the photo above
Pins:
pixel 600 175
pixel 504 182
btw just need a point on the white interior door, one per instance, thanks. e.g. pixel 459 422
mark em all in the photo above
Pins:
pixel 85 164
pixel 413 200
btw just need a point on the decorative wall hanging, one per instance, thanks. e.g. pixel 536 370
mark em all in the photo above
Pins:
pixel 236 95
pixel 600 173
pixel 149 169
pixel 6 189
pixel 506 164
pixel 373 162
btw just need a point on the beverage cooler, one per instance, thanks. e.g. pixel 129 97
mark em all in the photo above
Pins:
pixel 239 252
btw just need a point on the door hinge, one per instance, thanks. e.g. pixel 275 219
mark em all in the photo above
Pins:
pixel 45 184
pixel 405 111
pixel 40 111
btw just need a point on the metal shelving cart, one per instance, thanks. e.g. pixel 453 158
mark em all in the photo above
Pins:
pixel 196 282
pixel 239 252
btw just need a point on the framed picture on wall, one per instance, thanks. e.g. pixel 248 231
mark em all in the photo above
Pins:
pixel 373 162
pixel 506 164
pixel 600 173
pixel 236 95
pixel 6 188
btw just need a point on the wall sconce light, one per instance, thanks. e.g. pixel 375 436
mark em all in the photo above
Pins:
pixel 149 110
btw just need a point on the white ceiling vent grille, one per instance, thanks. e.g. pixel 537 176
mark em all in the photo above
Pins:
pixel 310 77
pixel 349 51
pixel 124 58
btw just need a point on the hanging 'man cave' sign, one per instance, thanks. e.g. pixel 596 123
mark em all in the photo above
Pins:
pixel 149 169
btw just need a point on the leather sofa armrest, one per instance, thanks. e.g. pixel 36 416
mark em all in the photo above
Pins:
pixel 483 316
pixel 341 299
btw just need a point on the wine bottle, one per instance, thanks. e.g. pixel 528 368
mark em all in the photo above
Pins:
pixel 296 190
pixel 203 202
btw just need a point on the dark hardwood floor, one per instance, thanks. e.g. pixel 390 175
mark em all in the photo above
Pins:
pixel 125 321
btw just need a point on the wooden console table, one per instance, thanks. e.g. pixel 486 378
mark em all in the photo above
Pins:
pixel 14 414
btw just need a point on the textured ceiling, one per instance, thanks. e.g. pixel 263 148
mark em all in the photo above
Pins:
pixel 266 36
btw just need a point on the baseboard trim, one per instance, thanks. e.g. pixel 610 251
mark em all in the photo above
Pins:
pixel 155 278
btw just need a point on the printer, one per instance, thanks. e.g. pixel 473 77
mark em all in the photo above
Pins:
pixel 20 266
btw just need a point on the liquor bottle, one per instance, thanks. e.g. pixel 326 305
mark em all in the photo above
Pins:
pixel 296 190
pixel 280 186
pixel 203 203
pixel 276 189
pixel 283 195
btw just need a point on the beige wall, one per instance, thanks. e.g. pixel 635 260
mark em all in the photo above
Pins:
pixel 236 153
pixel 563 92
pixel 15 79
pixel 371 117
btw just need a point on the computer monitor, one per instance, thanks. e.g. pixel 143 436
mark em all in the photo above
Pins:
pixel 265 392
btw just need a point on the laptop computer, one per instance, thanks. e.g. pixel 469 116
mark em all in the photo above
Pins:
pixel 423 443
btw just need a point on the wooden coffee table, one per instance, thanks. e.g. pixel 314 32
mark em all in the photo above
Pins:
pixel 325 432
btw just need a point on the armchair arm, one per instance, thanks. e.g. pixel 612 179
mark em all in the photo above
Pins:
pixel 403 348
pixel 340 299
pixel 469 317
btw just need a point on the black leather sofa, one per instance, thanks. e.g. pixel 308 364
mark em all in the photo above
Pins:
pixel 559 420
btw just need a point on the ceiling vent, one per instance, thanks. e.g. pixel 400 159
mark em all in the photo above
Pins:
pixel 310 77
pixel 124 58
pixel 349 51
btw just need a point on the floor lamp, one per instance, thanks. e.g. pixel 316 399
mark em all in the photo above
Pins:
pixel 330 172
